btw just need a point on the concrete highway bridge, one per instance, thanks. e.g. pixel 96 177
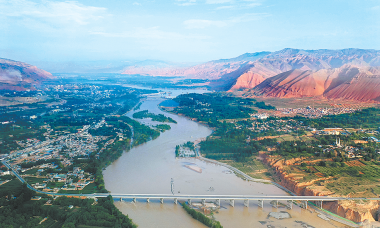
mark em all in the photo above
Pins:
pixel 218 198
pixel 318 200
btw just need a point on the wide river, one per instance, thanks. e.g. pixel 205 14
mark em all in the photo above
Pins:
pixel 149 168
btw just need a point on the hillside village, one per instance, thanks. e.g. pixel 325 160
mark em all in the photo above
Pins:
pixel 53 146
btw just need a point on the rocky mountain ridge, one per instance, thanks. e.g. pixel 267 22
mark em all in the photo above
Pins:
pixel 347 82
pixel 15 75
pixel 312 60
pixel 332 74
pixel 210 70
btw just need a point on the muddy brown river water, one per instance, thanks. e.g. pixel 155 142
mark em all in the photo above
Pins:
pixel 149 168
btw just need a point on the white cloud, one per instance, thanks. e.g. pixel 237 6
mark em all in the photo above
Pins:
pixel 51 11
pixel 136 4
pixel 225 7
pixel 218 1
pixel 253 4
pixel 235 4
pixel 149 33
pixel 149 41
pixel 225 4
pixel 249 17
pixel 201 24
pixel 186 2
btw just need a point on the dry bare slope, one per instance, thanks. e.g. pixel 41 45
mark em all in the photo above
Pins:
pixel 209 70
pixel 311 60
pixel 346 82
pixel 347 73
pixel 16 75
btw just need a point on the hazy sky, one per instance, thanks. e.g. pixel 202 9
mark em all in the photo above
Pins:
pixel 181 30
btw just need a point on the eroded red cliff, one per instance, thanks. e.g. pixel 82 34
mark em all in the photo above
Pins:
pixel 353 210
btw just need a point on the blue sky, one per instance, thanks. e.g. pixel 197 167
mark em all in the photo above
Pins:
pixel 181 30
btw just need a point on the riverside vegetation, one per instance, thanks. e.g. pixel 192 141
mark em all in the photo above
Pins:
pixel 155 117
pixel 87 114
pixel 67 109
pixel 201 217
pixel 18 210
pixel 188 146
pixel 228 116
pixel 298 147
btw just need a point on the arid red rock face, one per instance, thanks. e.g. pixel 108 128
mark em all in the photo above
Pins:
pixel 248 80
pixel 19 76
pixel 333 74
pixel 312 61
pixel 357 212
pixel 362 85
pixel 346 82
pixel 294 83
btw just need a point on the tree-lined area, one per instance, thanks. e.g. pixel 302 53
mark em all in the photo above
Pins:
pixel 162 127
pixel 142 133
pixel 211 108
pixel 18 210
pixel 228 143
pixel 96 132
pixel 344 148
pixel 155 117
pixel 217 109
pixel 366 118
pixel 201 217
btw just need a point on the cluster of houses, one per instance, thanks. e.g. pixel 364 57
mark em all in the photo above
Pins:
pixel 285 126
pixel 260 116
pixel 186 152
pixel 315 112
pixel 75 144
pixel 73 180
pixel 64 148
pixel 330 131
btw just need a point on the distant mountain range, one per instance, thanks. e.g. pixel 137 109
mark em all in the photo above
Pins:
pixel 20 76
pixel 333 74
pixel 78 67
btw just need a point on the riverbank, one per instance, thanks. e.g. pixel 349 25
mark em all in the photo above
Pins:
pixel 328 207
pixel 352 210
pixel 152 165
pixel 201 217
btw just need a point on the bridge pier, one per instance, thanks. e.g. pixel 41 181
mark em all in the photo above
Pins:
pixel 218 202
pixel 162 200
pixel 147 200
pixel 175 201
pixel 246 202
pixel 290 204
pixel 189 201
pixel 305 204
pixel 134 200
pixel 232 203
pixel 274 203
pixel 319 203
pixel 203 202
pixel 261 203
